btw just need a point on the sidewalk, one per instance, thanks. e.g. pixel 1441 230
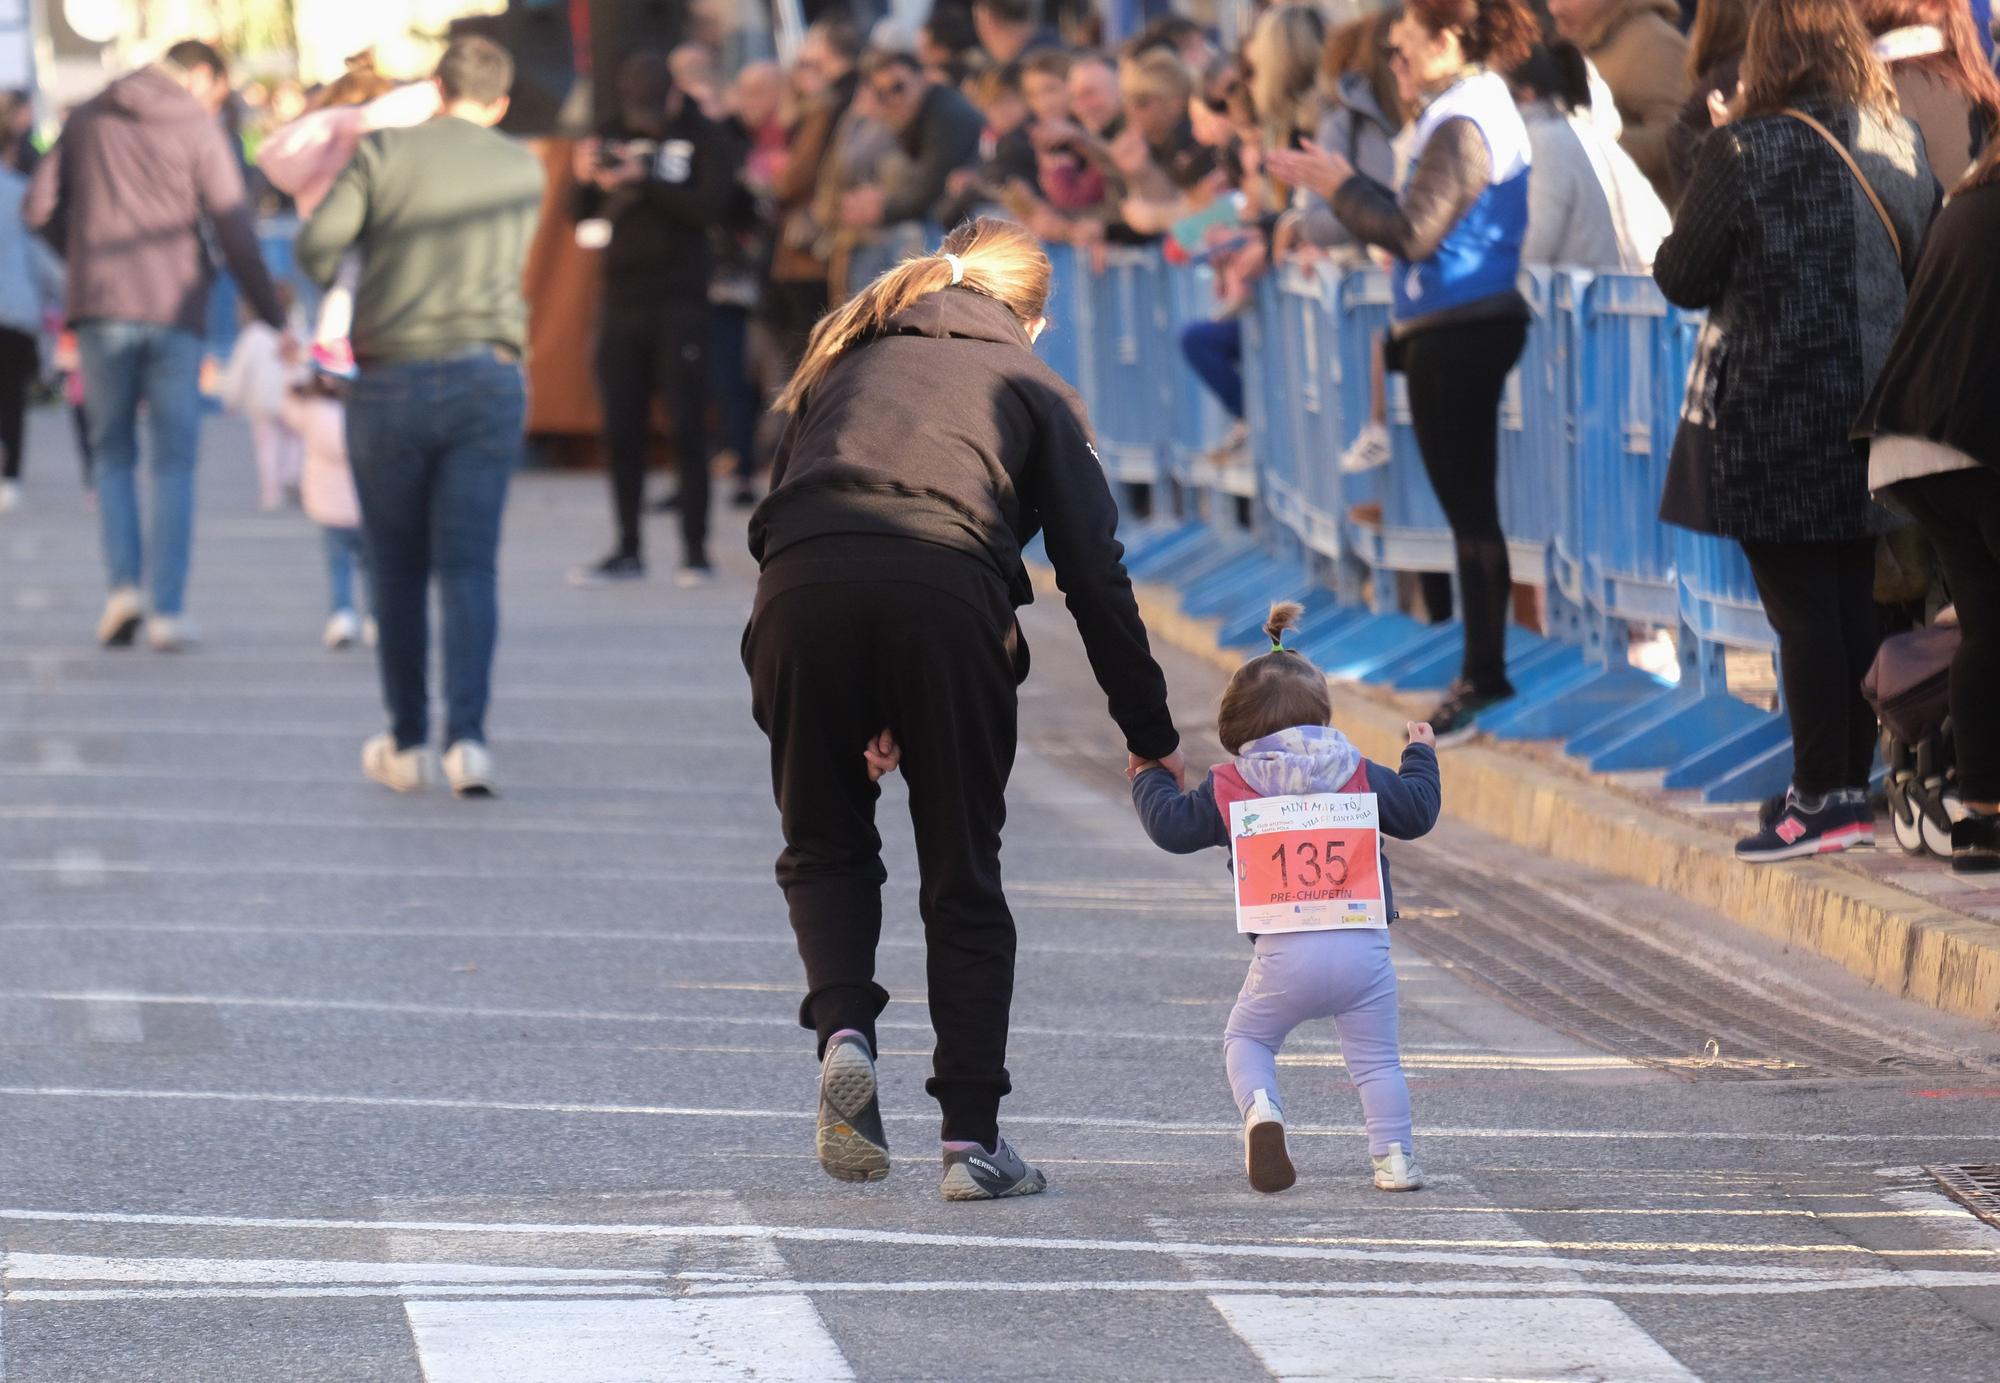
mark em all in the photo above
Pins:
pixel 1905 924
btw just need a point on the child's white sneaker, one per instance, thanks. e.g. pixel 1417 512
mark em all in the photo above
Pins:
pixel 342 630
pixel 10 496
pixel 403 770
pixel 468 767
pixel 1265 1158
pixel 1397 1170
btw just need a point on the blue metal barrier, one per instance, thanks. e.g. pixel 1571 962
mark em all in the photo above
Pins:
pixel 1587 425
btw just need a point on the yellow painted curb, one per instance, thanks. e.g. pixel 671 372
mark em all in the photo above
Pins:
pixel 1896 940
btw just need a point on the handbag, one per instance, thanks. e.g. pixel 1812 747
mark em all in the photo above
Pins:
pixel 1895 240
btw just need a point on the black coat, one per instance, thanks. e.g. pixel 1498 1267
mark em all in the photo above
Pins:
pixel 1777 240
pixel 1942 381
pixel 946 433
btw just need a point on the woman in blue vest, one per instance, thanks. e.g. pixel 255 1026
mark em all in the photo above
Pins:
pixel 1459 322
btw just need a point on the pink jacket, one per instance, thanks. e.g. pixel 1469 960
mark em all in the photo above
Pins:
pixel 303 158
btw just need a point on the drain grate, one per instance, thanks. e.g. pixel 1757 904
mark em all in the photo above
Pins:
pixel 1976 1187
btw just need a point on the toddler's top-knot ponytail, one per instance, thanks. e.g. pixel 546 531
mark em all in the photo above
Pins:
pixel 1285 614
pixel 1273 691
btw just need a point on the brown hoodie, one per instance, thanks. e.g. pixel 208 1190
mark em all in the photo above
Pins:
pixel 123 196
pixel 1641 53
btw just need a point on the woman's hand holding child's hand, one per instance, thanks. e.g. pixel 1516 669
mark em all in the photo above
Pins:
pixel 1421 733
pixel 1175 764
pixel 883 755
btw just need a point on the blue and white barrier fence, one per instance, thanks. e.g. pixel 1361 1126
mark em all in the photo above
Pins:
pixel 1586 425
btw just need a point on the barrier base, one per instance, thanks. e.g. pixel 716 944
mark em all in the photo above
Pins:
pixel 1757 778
pixel 1148 547
pixel 1572 703
pixel 1364 645
pixel 1718 762
pixel 1324 613
pixel 1674 731
pixel 1251 578
pixel 1434 672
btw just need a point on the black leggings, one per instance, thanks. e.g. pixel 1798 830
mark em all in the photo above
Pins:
pixel 832 662
pixel 20 362
pixel 1456 375
pixel 1820 597
pixel 646 349
pixel 1960 512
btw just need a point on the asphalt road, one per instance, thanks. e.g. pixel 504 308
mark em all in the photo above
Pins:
pixel 300 1080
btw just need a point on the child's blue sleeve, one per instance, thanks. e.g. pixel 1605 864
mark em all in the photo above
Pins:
pixel 1182 822
pixel 1409 800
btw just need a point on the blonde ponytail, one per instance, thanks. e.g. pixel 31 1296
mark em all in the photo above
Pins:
pixel 996 258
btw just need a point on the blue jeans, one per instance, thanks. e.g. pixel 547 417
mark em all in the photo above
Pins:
pixel 125 364
pixel 346 549
pixel 729 381
pixel 433 444
pixel 1214 350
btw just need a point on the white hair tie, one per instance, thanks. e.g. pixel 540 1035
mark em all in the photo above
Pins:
pixel 957 269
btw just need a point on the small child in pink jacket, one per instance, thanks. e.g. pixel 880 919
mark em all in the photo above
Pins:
pixel 303 159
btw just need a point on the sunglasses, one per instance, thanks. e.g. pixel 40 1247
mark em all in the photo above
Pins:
pixel 892 92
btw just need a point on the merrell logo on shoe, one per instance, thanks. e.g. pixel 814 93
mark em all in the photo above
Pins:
pixel 1790 829
pixel 984 1166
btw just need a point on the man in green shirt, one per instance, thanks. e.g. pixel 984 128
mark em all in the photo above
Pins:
pixel 440 216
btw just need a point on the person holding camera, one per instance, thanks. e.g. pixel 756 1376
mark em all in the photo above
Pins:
pixel 648 192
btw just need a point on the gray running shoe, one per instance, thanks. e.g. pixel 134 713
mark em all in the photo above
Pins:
pixel 851 1144
pixel 978 1175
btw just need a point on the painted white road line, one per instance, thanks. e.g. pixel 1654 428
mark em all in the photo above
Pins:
pixel 289 1272
pixel 509 1290
pixel 777 937
pixel 770 1339
pixel 1526 1260
pixel 557 1015
pixel 1925 1280
pixel 113 1019
pixel 1072 1122
pixel 55 754
pixel 1375 1340
pixel 75 866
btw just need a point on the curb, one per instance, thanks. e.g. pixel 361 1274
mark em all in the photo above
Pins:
pixel 1895 940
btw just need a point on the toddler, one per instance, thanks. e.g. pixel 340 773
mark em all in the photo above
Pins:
pixel 1276 719
pixel 253 387
pixel 314 411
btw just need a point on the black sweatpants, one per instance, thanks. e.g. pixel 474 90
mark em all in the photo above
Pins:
pixel 1456 375
pixel 1960 513
pixel 20 363
pixel 832 662
pixel 1820 598
pixel 644 349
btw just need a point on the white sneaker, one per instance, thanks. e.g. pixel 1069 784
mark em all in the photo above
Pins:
pixel 404 770
pixel 1370 451
pixel 124 612
pixel 1397 1170
pixel 468 767
pixel 694 578
pixel 342 630
pixel 10 496
pixel 169 633
pixel 1265 1158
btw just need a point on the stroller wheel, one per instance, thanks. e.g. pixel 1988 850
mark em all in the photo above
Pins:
pixel 1908 821
pixel 1934 818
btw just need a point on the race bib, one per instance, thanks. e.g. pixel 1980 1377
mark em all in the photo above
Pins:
pixel 1308 864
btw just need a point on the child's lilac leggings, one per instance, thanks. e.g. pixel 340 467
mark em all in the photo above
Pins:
pixel 1345 976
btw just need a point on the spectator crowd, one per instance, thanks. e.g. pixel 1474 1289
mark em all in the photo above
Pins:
pixel 1778 163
